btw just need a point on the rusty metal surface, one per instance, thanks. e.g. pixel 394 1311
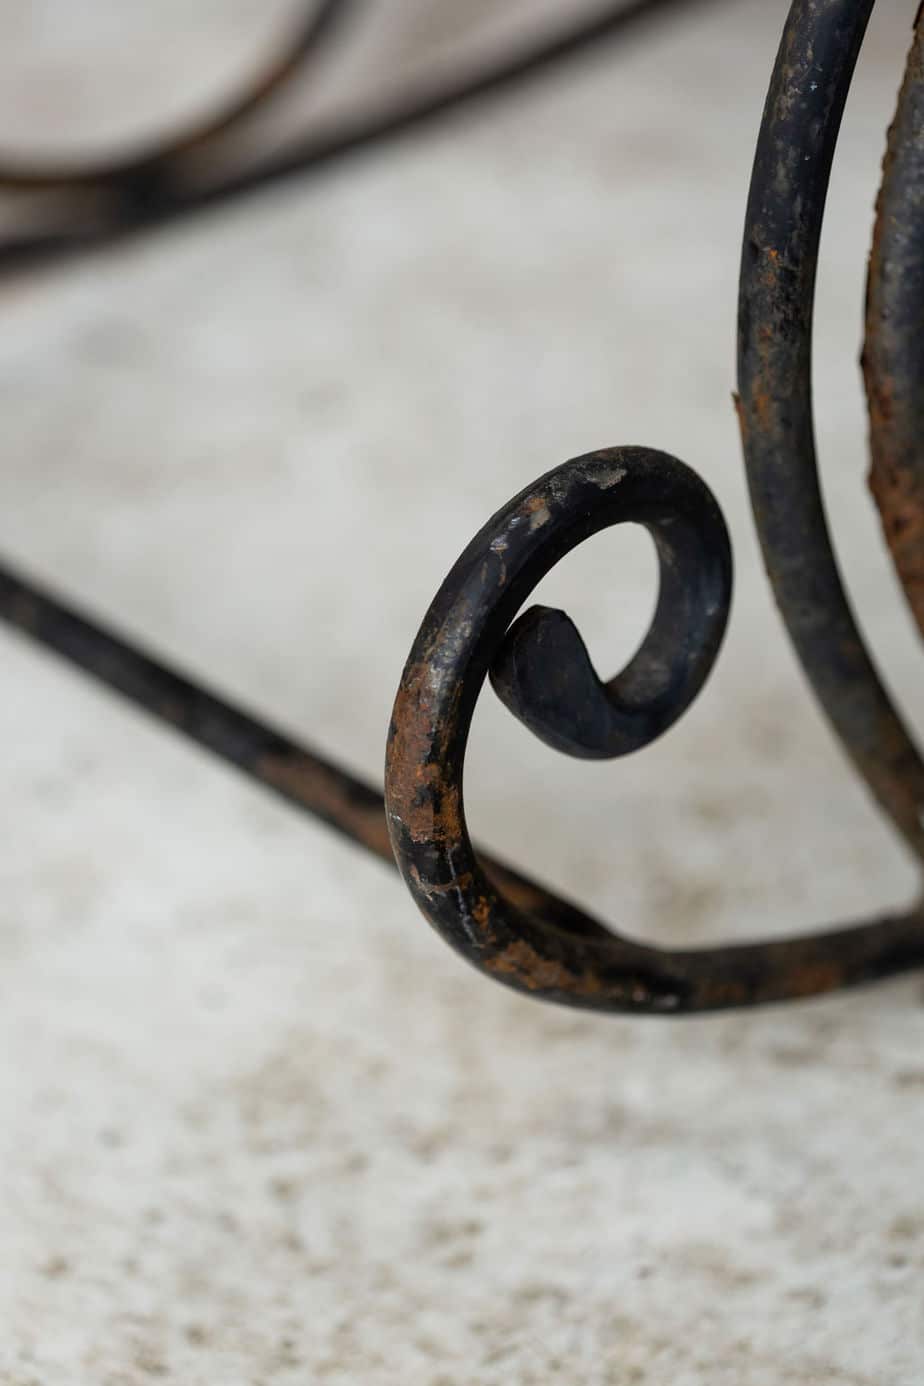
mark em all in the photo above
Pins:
pixel 783 227
pixel 543 672
pixel 893 357
pixel 541 668
pixel 512 929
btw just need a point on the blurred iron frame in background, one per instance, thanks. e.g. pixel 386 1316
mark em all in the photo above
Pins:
pixel 507 926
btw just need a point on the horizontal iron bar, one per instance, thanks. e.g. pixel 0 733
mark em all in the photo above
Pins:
pixel 305 779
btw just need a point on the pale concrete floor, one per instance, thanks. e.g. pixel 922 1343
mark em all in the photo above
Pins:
pixel 257 1124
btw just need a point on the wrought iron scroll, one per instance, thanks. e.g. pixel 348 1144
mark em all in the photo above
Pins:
pixel 542 671
pixel 508 927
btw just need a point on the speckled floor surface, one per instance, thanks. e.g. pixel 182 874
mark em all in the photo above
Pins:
pixel 257 1125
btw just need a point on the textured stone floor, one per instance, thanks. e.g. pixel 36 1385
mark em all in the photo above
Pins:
pixel 257 1125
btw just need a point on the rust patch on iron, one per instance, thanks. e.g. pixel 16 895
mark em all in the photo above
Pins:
pixel 892 354
pixel 521 961
pixel 812 979
pixel 426 798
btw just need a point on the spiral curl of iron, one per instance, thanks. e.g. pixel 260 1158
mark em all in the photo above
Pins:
pixel 541 669
pixel 508 926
